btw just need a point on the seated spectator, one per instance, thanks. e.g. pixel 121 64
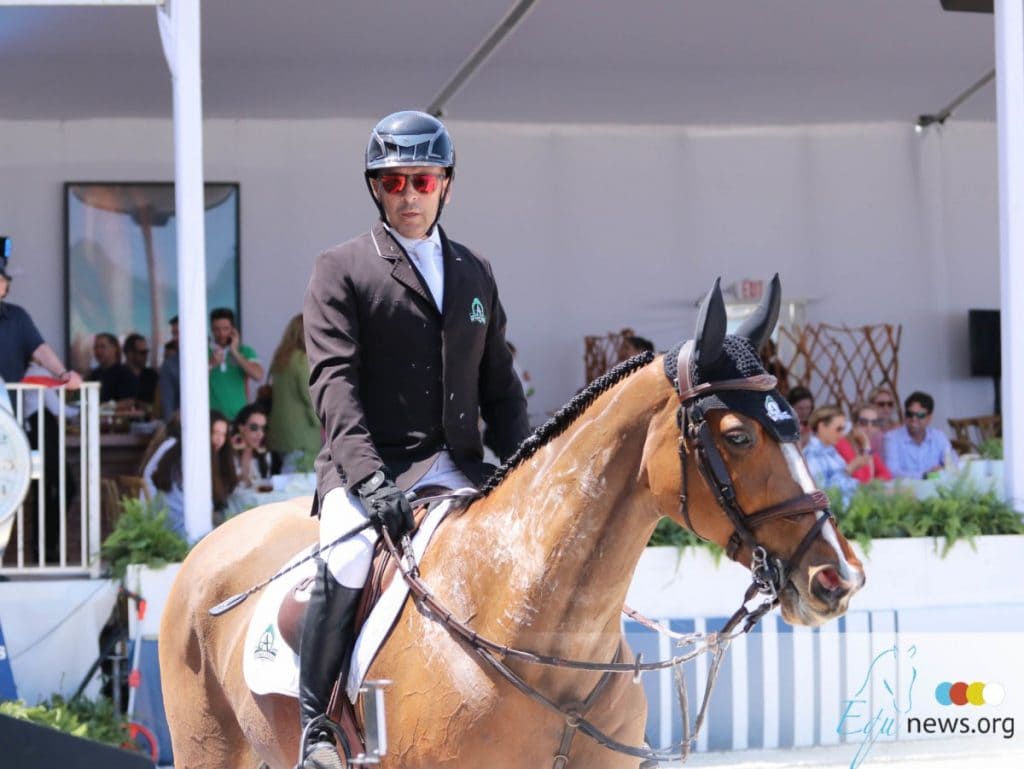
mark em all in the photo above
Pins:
pixel 162 474
pixel 163 470
pixel 802 401
pixel 884 401
pixel 223 478
pixel 827 467
pixel 294 428
pixel 253 462
pixel 117 382
pixel 917 450
pixel 136 358
pixel 862 462
pixel 169 383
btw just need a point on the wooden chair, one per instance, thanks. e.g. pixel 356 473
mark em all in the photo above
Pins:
pixel 970 432
pixel 133 486
pixel 602 353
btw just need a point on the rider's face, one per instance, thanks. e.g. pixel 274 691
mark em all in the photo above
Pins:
pixel 412 212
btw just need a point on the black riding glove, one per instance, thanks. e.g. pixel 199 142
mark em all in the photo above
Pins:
pixel 386 505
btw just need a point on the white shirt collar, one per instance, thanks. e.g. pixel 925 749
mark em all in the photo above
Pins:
pixel 410 245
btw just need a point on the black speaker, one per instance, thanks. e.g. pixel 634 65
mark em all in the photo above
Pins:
pixel 974 6
pixel 983 334
pixel 29 746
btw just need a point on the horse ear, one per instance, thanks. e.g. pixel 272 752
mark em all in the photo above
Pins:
pixel 760 323
pixel 710 333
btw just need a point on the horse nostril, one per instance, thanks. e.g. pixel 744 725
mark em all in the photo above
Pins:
pixel 828 578
pixel 828 587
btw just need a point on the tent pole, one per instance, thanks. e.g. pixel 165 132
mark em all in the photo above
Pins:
pixel 1009 21
pixel 179 33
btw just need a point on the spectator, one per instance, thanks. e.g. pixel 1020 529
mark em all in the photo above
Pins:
pixel 136 358
pixel 223 478
pixel 163 470
pixel 162 474
pixel 802 401
pixel 169 382
pixel 252 463
pixel 917 450
pixel 827 425
pixel 294 428
pixel 232 365
pixel 862 462
pixel 117 382
pixel 20 340
pixel 884 401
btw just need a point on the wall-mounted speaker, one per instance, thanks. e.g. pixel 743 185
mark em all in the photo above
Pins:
pixel 983 336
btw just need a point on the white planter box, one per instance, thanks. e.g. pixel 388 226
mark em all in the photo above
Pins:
pixel 153 585
pixel 901 574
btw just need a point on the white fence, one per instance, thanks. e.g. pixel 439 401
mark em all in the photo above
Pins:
pixel 77 482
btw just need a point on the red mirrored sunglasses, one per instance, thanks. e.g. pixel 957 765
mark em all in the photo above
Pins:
pixel 394 184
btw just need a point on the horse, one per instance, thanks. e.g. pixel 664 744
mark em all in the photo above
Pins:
pixel 540 560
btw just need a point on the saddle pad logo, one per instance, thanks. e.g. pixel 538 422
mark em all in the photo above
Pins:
pixel 775 413
pixel 266 648
pixel 476 312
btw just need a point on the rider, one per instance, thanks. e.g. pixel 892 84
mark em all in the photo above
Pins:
pixel 406 342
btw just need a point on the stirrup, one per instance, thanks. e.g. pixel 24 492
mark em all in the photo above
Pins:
pixel 323 754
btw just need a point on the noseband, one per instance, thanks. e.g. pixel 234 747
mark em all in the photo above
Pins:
pixel 770 572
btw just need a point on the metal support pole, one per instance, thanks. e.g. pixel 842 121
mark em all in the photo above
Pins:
pixel 479 56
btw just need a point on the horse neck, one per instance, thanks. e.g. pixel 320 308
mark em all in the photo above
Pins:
pixel 566 530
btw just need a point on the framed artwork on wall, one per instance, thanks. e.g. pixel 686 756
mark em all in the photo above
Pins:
pixel 121 262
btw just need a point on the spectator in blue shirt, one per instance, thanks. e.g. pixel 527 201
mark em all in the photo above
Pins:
pixel 827 425
pixel 916 450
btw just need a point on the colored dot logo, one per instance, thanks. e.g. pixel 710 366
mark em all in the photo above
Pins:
pixel 976 693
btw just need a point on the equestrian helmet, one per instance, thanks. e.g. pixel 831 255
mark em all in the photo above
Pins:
pixel 409 138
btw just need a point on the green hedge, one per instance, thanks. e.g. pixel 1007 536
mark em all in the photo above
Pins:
pixel 91 720
pixel 959 511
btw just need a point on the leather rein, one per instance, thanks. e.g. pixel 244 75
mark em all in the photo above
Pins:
pixel 769 575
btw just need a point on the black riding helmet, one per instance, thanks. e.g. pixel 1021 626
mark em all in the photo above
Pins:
pixel 409 138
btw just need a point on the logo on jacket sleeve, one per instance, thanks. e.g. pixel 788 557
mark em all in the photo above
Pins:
pixel 476 312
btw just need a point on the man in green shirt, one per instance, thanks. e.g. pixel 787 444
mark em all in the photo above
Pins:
pixel 232 364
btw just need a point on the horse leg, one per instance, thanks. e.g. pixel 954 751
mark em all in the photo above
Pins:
pixel 204 731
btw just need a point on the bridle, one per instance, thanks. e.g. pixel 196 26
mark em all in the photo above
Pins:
pixel 769 572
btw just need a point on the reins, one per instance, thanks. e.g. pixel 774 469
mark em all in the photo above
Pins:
pixel 769 574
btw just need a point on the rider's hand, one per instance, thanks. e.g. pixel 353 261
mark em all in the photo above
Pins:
pixel 386 505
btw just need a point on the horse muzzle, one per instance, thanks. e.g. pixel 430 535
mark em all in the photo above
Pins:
pixel 824 594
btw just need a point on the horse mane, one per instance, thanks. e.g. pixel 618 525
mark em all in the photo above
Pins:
pixel 564 417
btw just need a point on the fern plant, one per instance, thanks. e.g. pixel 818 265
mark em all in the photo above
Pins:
pixel 142 535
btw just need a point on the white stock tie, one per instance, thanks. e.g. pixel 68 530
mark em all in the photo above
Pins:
pixel 429 264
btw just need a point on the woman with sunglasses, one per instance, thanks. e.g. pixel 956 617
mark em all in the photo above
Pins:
pixel 862 461
pixel 253 463
pixel 405 336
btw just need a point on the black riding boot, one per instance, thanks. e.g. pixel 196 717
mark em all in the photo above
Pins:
pixel 325 650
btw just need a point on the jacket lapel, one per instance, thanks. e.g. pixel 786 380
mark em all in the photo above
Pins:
pixel 402 269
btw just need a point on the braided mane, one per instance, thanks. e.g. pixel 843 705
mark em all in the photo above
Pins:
pixel 564 417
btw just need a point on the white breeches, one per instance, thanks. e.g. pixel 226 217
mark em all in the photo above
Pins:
pixel 341 511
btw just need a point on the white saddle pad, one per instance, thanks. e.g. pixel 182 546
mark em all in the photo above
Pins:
pixel 271 667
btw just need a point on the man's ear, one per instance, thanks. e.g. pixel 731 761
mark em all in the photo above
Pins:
pixel 447 189
pixel 373 190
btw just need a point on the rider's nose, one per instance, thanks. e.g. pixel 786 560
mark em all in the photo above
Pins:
pixel 829 587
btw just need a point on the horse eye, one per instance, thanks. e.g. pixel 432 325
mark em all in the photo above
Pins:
pixel 738 438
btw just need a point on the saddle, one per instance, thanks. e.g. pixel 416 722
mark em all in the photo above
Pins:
pixel 292 614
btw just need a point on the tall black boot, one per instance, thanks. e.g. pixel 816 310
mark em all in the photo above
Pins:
pixel 324 653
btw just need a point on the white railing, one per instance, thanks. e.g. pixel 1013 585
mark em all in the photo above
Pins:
pixel 84 430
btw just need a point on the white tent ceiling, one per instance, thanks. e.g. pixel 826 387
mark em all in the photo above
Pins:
pixel 641 61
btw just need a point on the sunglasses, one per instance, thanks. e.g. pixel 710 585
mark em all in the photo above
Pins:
pixel 870 422
pixel 885 404
pixel 255 428
pixel 917 415
pixel 394 184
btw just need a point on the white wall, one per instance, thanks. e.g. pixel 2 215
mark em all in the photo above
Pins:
pixel 589 228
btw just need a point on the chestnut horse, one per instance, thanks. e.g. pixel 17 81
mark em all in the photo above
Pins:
pixel 541 560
